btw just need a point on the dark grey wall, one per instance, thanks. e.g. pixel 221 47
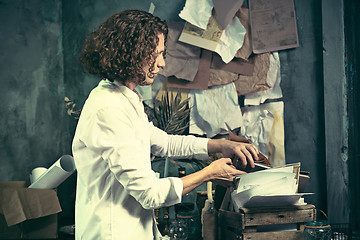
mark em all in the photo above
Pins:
pixel 32 87
pixel 302 86
pixel 336 114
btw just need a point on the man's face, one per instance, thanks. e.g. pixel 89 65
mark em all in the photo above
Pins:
pixel 159 62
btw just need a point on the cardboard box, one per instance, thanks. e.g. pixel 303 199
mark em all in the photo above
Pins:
pixel 27 213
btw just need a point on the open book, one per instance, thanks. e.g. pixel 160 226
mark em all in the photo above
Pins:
pixel 270 187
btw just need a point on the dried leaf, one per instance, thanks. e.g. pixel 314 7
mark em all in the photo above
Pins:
pixel 171 113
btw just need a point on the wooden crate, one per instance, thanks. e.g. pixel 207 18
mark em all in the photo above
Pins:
pixel 250 223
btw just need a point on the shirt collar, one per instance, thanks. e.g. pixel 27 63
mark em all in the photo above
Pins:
pixel 132 94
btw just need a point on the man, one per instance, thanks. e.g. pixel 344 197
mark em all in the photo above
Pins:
pixel 116 187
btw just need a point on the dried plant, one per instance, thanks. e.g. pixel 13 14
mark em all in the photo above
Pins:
pixel 70 108
pixel 172 114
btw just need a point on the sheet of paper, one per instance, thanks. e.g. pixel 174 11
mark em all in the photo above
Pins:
pixel 182 60
pixel 236 65
pixel 281 186
pixel 231 40
pixel 197 12
pixel 207 38
pixel 246 49
pixel 36 173
pixel 277 186
pixel 269 174
pixel 225 10
pixel 276 200
pixel 203 30
pixel 264 126
pixel 212 108
pixel 221 73
pixel 273 80
pixel 224 42
pixel 56 174
pixel 257 124
pixel 263 178
pixel 273 25
pixel 257 82
pixel 221 77
pixel 151 8
pixel 201 78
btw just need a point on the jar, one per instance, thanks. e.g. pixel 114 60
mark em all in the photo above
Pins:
pixel 185 228
pixel 317 230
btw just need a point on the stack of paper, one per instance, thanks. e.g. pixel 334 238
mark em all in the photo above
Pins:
pixel 267 188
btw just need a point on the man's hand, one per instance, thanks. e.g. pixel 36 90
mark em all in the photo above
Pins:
pixel 246 152
pixel 223 171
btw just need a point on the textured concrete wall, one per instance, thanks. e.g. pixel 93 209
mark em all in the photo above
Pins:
pixel 336 113
pixel 32 124
pixel 302 86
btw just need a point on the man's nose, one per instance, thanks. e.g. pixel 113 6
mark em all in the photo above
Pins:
pixel 161 62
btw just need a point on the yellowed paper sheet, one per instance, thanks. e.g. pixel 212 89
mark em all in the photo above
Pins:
pixel 207 38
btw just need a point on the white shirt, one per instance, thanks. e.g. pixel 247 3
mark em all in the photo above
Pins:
pixel 116 187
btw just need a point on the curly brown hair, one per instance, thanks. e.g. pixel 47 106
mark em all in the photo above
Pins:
pixel 120 47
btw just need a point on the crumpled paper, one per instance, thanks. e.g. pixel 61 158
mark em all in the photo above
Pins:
pixel 232 37
pixel 212 108
pixel 273 80
pixel 264 127
pixel 197 12
pixel 182 60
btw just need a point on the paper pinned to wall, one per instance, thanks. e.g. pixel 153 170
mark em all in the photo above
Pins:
pixel 257 126
pixel 207 38
pixel 264 127
pixel 182 60
pixel 246 49
pixel 201 78
pixel 273 79
pixel 212 109
pixel 258 82
pixel 151 8
pixel 197 12
pixel 56 174
pixel 203 30
pixel 224 42
pixel 237 65
pixel 225 10
pixel 273 25
pixel 231 40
